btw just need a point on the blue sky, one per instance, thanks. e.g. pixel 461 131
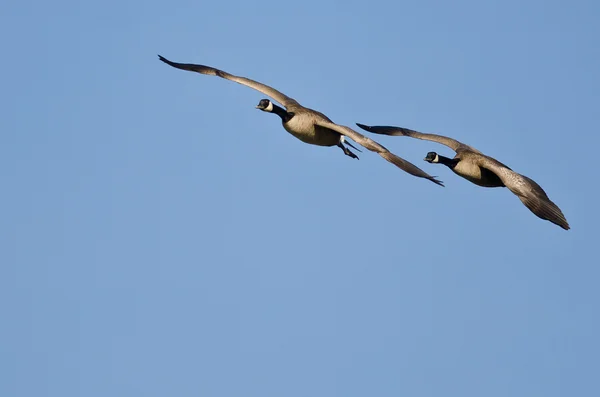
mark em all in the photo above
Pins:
pixel 160 236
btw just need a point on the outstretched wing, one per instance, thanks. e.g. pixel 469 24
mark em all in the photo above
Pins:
pixel 527 190
pixel 399 131
pixel 208 70
pixel 373 146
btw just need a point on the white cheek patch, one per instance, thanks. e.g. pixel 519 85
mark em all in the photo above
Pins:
pixel 270 107
pixel 436 159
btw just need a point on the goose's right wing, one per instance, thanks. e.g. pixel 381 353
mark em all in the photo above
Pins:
pixel 208 70
pixel 399 131
pixel 373 146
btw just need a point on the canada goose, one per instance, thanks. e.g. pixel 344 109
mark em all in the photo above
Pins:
pixel 484 171
pixel 306 124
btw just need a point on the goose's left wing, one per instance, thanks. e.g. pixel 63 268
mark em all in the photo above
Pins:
pixel 528 191
pixel 373 146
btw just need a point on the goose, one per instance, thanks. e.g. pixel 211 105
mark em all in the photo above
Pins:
pixel 484 171
pixel 308 125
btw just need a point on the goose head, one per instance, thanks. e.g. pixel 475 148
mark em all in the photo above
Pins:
pixel 265 105
pixel 432 157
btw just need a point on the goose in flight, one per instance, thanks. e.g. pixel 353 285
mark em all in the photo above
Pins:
pixel 484 171
pixel 310 126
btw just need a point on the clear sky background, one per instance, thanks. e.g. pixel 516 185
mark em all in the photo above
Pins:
pixel 159 236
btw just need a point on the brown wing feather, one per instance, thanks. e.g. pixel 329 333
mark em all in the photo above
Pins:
pixel 400 131
pixel 527 190
pixel 373 146
pixel 209 70
pixel 545 209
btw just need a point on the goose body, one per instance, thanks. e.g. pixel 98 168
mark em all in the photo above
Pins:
pixel 303 127
pixel 484 171
pixel 466 167
pixel 308 125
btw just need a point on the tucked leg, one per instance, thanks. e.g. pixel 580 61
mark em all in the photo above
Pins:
pixel 351 145
pixel 347 151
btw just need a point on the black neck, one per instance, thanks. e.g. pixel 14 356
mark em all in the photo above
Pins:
pixel 450 163
pixel 281 112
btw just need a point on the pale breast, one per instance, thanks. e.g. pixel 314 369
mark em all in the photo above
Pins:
pixel 302 126
pixel 477 175
pixel 467 169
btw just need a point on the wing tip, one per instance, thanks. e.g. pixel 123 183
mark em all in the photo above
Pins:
pixel 556 216
pixel 436 181
pixel 563 223
pixel 165 60
pixel 544 208
pixel 364 127
pixel 386 130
